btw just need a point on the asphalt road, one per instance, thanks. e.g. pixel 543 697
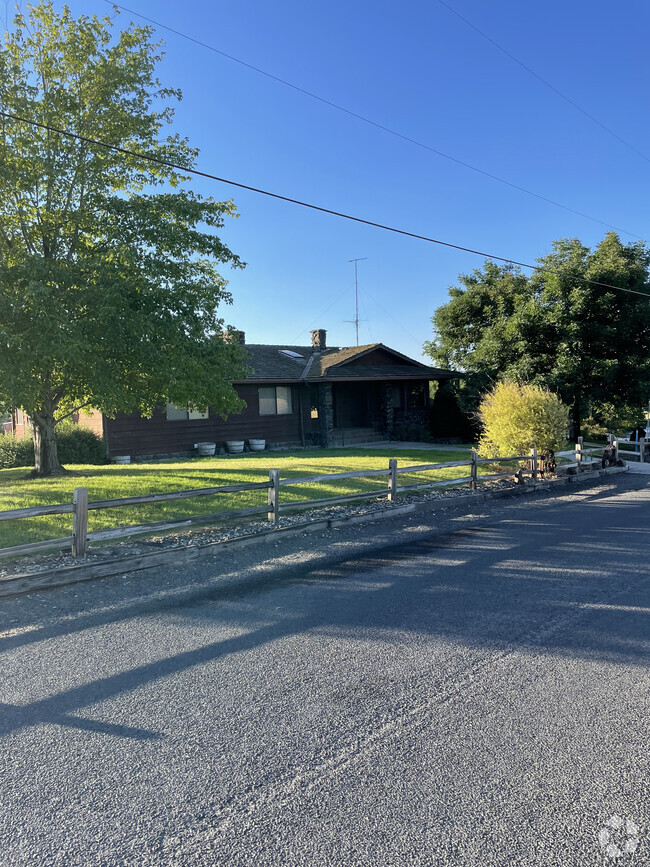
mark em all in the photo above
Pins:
pixel 435 690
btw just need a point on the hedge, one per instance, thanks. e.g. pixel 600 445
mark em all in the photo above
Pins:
pixel 76 445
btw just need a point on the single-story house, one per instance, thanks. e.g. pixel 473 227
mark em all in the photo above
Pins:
pixel 295 396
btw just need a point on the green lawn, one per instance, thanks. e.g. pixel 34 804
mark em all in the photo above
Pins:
pixel 113 482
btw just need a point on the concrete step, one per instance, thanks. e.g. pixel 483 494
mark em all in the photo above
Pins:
pixel 352 436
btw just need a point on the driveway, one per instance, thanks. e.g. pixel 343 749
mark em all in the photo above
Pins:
pixel 441 689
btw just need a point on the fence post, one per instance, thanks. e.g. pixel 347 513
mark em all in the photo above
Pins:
pixel 612 442
pixel 392 480
pixel 79 522
pixel 579 451
pixel 274 496
pixel 533 462
pixel 473 485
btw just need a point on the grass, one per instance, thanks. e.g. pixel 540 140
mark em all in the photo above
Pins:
pixel 113 482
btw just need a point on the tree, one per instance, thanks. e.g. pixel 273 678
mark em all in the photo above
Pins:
pixel 475 332
pixel 585 341
pixel 109 289
pixel 515 417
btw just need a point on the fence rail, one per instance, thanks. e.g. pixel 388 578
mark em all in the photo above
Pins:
pixel 639 449
pixel 80 505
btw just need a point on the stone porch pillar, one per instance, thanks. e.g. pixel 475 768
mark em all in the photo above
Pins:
pixel 386 409
pixel 325 412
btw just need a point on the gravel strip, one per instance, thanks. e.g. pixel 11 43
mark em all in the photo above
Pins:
pixel 221 533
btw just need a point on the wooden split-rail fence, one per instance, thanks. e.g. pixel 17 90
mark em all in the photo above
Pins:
pixel 81 506
pixel 625 449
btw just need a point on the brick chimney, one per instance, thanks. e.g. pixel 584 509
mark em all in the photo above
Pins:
pixel 319 338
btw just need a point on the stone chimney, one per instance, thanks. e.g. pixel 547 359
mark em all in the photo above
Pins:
pixel 235 336
pixel 319 338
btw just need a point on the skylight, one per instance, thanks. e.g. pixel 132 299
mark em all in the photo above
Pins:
pixel 290 353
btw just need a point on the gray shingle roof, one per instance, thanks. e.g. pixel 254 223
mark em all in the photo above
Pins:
pixel 269 363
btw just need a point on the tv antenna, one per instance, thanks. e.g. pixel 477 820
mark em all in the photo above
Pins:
pixel 356 319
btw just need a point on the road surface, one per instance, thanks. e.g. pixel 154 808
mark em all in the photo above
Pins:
pixel 433 690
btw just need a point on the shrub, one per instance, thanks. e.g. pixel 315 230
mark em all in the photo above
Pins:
pixel 591 429
pixel 15 452
pixel 410 429
pixel 75 444
pixel 447 419
pixel 78 445
pixel 515 417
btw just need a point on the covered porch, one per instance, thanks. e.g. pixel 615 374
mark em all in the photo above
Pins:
pixel 357 411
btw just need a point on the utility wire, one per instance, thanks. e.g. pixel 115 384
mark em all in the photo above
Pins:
pixel 326 310
pixel 371 122
pixel 546 83
pixel 389 313
pixel 158 161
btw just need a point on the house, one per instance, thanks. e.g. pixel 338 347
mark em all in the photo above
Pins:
pixel 295 396
pixel 19 423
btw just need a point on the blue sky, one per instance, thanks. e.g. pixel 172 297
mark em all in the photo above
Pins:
pixel 421 71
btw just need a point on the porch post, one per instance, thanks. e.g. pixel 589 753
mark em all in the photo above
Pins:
pixel 325 412
pixel 387 411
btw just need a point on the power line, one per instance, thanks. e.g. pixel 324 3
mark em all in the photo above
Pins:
pixel 371 122
pixel 546 83
pixel 318 319
pixel 320 208
pixel 390 313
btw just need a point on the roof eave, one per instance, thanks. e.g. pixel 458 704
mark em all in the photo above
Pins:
pixel 391 378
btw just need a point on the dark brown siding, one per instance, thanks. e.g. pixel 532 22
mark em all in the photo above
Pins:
pixel 134 435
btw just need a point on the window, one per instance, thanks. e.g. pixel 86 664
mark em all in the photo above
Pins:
pixel 275 400
pixel 175 413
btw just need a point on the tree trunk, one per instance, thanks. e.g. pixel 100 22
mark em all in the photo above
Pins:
pixel 46 459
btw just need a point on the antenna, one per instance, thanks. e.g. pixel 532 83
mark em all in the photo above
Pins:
pixel 356 320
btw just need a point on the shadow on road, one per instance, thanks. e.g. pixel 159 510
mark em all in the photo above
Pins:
pixel 524 581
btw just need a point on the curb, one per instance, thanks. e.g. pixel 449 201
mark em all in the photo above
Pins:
pixel 28 582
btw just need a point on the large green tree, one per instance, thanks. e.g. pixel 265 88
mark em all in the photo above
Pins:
pixel 586 341
pixel 109 288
